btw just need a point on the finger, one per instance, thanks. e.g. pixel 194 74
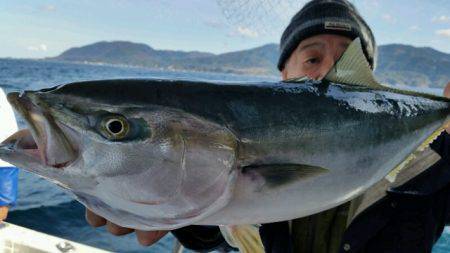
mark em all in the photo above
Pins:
pixel 147 238
pixel 117 230
pixel 447 90
pixel 94 220
pixel 3 212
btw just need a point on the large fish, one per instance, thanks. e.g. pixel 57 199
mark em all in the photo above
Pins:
pixel 158 154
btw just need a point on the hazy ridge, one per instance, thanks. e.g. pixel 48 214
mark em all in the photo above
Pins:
pixel 397 63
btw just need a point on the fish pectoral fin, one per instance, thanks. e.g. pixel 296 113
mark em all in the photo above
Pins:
pixel 280 174
pixel 244 237
pixel 353 68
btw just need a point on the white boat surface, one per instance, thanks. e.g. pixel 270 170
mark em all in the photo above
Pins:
pixel 17 239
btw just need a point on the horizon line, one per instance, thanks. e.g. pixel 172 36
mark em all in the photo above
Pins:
pixel 195 51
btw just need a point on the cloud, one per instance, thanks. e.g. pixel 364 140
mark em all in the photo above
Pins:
pixel 443 32
pixel 441 19
pixel 388 18
pixel 214 23
pixel 369 4
pixel 48 7
pixel 246 32
pixel 41 47
pixel 414 28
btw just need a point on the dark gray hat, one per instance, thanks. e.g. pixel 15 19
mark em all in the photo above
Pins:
pixel 327 17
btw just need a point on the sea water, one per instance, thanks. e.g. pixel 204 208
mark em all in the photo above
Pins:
pixel 44 207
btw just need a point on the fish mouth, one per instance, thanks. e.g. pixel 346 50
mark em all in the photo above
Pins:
pixel 44 140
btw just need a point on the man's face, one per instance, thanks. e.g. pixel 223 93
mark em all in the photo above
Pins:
pixel 315 56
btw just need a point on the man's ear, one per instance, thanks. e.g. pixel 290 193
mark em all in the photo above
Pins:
pixel 447 90
pixel 284 74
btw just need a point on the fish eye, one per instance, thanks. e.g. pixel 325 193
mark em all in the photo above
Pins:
pixel 115 127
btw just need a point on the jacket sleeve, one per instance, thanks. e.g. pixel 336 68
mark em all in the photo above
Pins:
pixel 442 146
pixel 8 186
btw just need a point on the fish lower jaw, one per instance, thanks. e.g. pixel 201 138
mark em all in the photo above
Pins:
pixel 23 142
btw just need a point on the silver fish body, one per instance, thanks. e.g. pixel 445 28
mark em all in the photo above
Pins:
pixel 159 154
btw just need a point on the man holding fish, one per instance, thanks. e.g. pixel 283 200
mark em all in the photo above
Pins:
pixel 329 144
pixel 409 218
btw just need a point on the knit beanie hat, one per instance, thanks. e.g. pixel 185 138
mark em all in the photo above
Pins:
pixel 338 17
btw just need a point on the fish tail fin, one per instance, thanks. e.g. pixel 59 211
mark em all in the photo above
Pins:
pixel 244 237
pixel 391 177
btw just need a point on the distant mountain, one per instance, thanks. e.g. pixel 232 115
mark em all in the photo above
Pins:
pixel 408 65
pixel 258 61
pixel 397 64
pixel 127 53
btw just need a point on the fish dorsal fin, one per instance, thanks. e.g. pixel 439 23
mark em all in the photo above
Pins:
pixel 353 68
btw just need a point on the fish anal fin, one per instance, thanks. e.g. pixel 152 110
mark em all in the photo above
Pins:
pixel 280 174
pixel 244 237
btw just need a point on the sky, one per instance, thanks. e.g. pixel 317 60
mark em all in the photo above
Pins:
pixel 45 28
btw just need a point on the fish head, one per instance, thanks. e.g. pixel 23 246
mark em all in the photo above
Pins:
pixel 139 165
